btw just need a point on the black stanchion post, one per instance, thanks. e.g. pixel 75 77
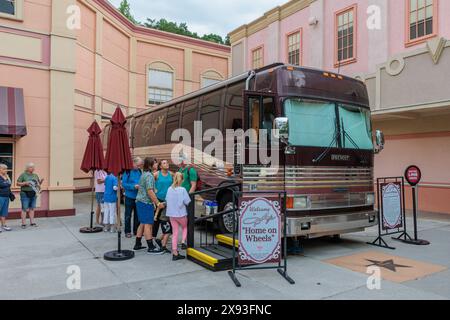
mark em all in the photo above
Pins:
pixel 232 274
pixel 413 175
pixel 191 222
pixel 414 197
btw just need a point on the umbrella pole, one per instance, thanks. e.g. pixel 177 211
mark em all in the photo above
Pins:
pixel 91 228
pixel 118 222
pixel 92 200
pixel 119 255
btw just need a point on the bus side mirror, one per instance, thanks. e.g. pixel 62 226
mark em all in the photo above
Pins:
pixel 379 140
pixel 282 125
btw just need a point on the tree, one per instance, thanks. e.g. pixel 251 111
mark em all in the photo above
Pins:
pixel 170 26
pixel 125 9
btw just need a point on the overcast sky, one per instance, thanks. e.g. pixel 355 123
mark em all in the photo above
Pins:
pixel 202 16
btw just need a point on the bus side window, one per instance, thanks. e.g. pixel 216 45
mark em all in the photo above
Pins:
pixel 210 111
pixel 173 121
pixel 190 114
pixel 154 131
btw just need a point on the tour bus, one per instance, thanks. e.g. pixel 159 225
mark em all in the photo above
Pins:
pixel 326 153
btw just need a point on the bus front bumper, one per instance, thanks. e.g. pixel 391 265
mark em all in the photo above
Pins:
pixel 325 225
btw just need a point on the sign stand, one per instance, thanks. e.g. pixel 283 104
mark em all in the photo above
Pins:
pixel 385 226
pixel 413 175
pixel 281 262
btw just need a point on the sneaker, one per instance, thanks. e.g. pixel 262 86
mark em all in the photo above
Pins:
pixel 33 225
pixel 24 226
pixel 159 243
pixel 184 246
pixel 155 251
pixel 6 228
pixel 138 247
pixel 166 250
pixel 178 257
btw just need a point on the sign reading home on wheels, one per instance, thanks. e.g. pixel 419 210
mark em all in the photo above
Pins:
pixel 259 231
pixel 391 205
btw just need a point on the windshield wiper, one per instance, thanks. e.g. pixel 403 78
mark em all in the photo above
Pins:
pixel 362 158
pixel 337 135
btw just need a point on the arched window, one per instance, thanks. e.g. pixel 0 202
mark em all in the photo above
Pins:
pixel 210 77
pixel 161 83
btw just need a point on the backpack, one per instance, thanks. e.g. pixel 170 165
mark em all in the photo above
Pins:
pixel 199 184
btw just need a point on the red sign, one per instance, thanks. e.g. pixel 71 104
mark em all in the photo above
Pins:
pixel 413 175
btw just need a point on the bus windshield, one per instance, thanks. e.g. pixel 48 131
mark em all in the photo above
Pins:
pixel 315 124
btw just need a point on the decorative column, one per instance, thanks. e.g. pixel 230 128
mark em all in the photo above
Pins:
pixel 62 90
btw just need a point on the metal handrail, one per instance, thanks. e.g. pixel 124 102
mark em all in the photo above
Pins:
pixel 212 216
pixel 191 211
pixel 224 186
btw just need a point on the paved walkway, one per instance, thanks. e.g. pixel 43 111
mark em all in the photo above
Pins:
pixel 34 263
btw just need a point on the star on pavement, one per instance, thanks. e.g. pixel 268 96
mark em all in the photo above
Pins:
pixel 388 264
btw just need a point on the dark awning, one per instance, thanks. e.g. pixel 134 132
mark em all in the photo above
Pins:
pixel 12 112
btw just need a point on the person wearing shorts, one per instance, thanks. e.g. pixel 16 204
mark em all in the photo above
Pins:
pixel 145 200
pixel 99 182
pixel 28 195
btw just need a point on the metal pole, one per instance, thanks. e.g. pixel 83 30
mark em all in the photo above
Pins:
pixel 191 222
pixel 414 196
pixel 118 222
pixel 234 232
pixel 92 200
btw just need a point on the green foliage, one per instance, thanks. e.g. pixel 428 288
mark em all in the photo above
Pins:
pixel 170 26
pixel 124 8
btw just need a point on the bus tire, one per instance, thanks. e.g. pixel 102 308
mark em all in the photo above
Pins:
pixel 225 222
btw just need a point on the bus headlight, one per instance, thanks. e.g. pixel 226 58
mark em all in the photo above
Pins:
pixel 301 202
pixel 370 199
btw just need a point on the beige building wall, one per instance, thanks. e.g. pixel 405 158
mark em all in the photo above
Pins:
pixel 77 60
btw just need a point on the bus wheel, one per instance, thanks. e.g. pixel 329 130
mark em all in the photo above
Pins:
pixel 225 222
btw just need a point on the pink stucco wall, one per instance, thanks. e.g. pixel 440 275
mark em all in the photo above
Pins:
pixel 392 33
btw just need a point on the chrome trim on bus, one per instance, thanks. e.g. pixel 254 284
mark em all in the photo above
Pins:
pixel 319 226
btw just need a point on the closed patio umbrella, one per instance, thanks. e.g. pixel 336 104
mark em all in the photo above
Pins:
pixel 93 159
pixel 118 160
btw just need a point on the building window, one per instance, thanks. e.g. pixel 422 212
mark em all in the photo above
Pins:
pixel 11 9
pixel 206 82
pixel 7 157
pixel 422 19
pixel 160 86
pixel 257 58
pixel 346 36
pixel 294 48
pixel 210 77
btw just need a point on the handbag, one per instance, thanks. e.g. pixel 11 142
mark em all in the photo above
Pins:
pixel 12 197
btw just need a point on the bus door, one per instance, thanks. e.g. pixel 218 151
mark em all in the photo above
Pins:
pixel 259 115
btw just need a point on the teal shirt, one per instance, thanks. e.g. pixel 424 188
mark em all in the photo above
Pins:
pixel 163 184
pixel 146 183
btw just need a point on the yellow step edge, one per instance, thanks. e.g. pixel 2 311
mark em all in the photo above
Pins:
pixel 202 257
pixel 227 240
